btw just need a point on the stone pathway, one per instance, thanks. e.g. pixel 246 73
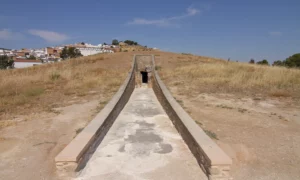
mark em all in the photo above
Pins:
pixel 142 144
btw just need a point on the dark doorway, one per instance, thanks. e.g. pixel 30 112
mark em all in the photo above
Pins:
pixel 144 76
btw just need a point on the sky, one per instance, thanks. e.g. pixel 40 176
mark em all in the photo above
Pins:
pixel 235 29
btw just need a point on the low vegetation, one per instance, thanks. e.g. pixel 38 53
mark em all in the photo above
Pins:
pixel 290 62
pixel 130 42
pixel 263 62
pixel 39 88
pixel 6 62
pixel 203 75
pixel 70 52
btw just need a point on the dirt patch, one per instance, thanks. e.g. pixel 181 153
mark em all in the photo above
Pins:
pixel 251 111
pixel 261 136
pixel 27 151
pixel 43 108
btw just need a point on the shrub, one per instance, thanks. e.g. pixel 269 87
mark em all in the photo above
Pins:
pixel 115 42
pixel 211 134
pixel 278 63
pixel 252 61
pixel 293 61
pixel 129 42
pixel 54 76
pixel 32 57
pixel 70 52
pixel 263 62
pixel 6 62
pixel 186 53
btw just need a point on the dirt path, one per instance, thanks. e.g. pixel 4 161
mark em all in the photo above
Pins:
pixel 27 150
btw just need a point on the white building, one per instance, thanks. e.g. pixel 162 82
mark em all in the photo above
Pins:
pixel 7 52
pixel 23 63
pixel 93 50
pixel 39 52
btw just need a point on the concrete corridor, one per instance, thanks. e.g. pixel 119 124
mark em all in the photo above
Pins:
pixel 142 144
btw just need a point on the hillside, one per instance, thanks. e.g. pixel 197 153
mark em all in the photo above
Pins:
pixel 198 74
pixel 245 108
pixel 251 111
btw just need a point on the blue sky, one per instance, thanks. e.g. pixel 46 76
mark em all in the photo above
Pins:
pixel 234 29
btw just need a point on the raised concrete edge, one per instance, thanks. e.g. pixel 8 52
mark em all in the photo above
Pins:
pixel 214 161
pixel 73 152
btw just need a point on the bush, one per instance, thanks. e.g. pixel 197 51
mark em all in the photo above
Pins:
pixel 278 63
pixel 293 61
pixel 263 62
pixel 6 62
pixel 129 42
pixel 70 52
pixel 186 54
pixel 32 57
pixel 115 42
pixel 54 76
pixel 252 61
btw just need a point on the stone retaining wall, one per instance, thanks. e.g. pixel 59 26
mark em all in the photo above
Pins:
pixel 211 158
pixel 75 155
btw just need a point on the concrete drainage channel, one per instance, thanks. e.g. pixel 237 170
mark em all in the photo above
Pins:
pixel 143 133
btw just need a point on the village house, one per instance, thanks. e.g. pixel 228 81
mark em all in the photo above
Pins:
pixel 23 63
pixel 53 52
pixel 7 52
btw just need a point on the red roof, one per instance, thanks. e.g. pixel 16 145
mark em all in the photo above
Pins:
pixel 27 60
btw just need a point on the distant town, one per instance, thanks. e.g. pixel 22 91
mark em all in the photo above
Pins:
pixel 27 57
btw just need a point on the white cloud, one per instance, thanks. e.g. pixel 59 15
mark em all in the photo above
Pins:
pixel 165 21
pixel 275 33
pixel 7 34
pixel 49 36
pixel 192 11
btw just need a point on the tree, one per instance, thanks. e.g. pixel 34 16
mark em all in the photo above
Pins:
pixel 64 53
pixel 293 61
pixel 32 57
pixel 6 62
pixel 115 42
pixel 73 52
pixel 104 44
pixel 70 52
pixel 129 42
pixel 263 62
pixel 252 61
pixel 278 63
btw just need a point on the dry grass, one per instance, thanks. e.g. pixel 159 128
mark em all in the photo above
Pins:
pixel 196 74
pixel 39 88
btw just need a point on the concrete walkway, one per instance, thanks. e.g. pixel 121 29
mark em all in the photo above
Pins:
pixel 142 144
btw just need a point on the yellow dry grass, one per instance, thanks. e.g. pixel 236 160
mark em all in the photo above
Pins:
pixel 39 88
pixel 204 75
